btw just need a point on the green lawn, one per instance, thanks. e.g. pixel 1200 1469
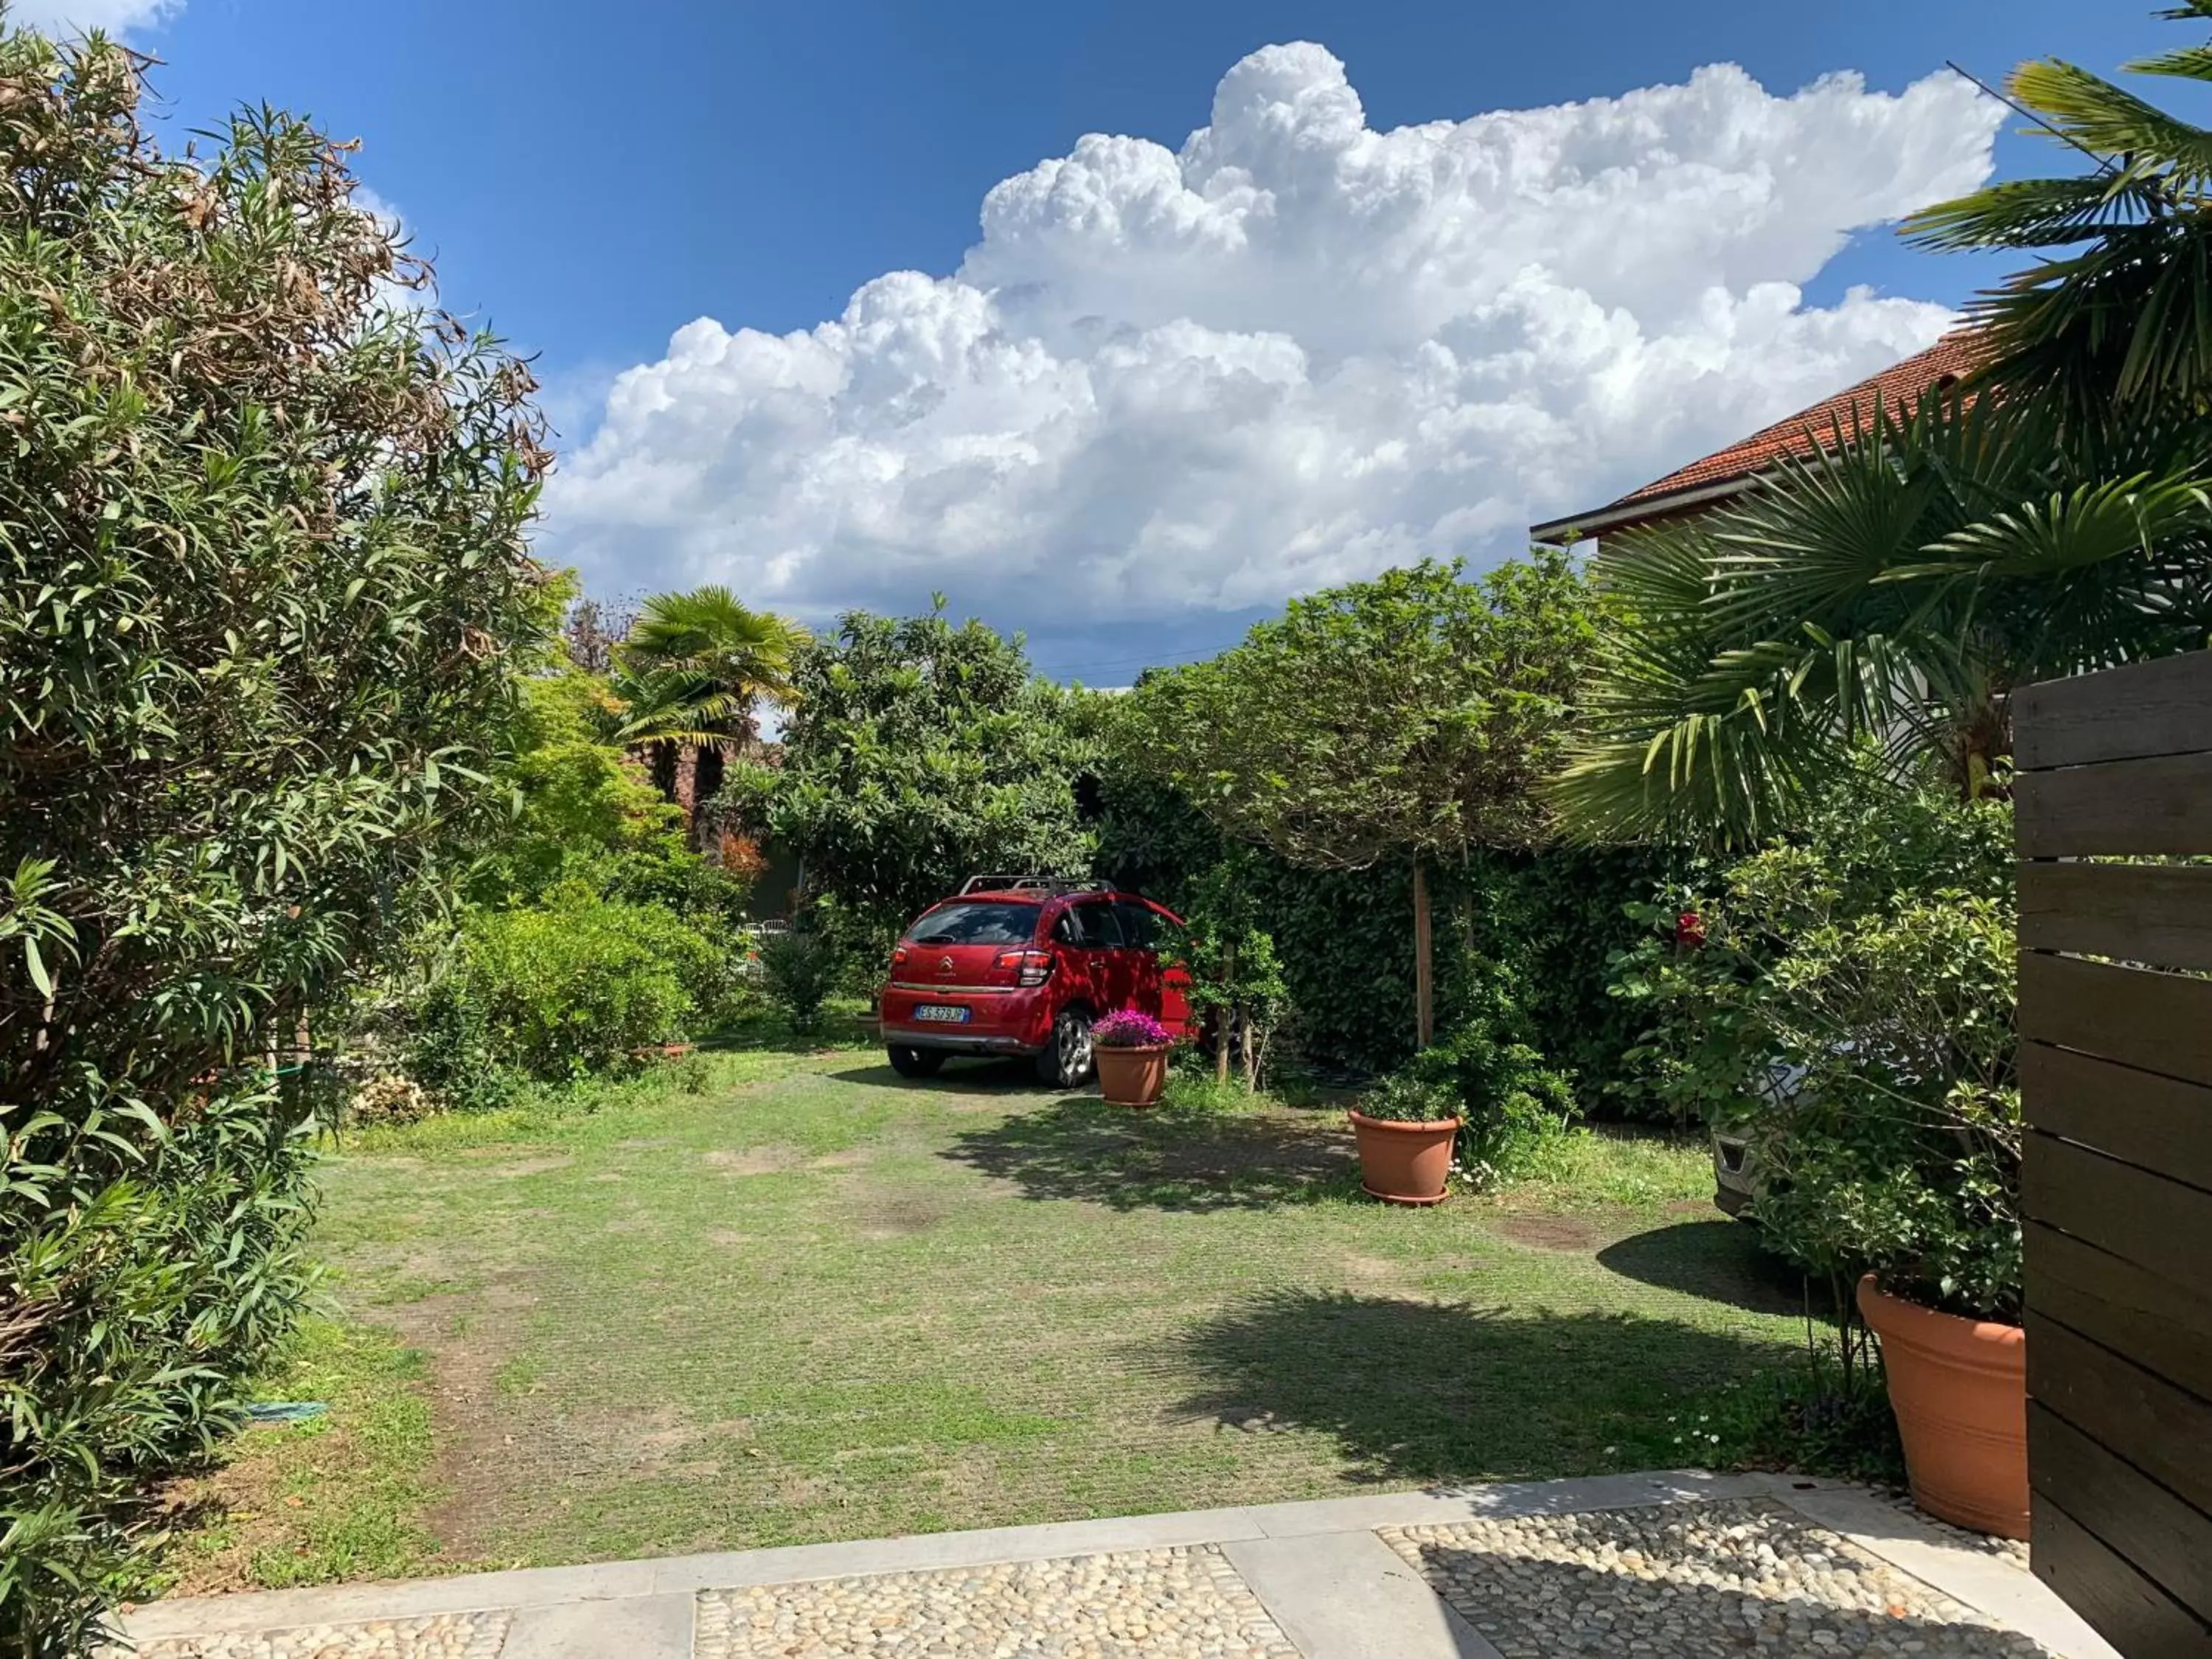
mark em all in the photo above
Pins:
pixel 807 1300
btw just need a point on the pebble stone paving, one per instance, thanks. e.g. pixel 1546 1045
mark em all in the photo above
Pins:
pixel 1750 1576
pixel 1688 1581
pixel 1184 1603
pixel 439 1636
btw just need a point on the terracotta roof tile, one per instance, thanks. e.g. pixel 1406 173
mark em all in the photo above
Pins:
pixel 1898 387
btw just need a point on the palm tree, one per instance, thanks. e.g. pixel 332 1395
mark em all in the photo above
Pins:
pixel 2048 516
pixel 2117 310
pixel 694 669
pixel 1890 589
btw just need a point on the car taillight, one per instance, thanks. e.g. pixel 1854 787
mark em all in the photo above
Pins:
pixel 1031 967
pixel 899 956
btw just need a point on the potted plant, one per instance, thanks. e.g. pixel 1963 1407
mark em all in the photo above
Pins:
pixel 1131 1049
pixel 1893 1158
pixel 1405 1136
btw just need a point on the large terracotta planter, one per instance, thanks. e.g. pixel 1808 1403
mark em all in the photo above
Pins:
pixel 1404 1163
pixel 1959 1390
pixel 1132 1077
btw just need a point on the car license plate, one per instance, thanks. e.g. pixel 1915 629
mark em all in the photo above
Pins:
pixel 938 1013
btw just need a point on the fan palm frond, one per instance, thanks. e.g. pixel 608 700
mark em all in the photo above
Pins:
pixel 2123 320
pixel 695 665
pixel 1890 588
pixel 2112 121
pixel 2031 213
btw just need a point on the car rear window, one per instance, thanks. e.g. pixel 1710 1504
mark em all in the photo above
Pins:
pixel 975 923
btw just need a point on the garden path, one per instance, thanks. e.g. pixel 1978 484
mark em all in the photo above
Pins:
pixel 1679 1566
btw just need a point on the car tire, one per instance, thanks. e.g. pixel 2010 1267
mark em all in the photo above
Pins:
pixel 916 1062
pixel 1065 1062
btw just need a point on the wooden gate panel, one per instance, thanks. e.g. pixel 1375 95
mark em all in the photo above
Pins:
pixel 2115 1187
pixel 2158 913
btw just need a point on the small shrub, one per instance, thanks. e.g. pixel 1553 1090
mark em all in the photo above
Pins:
pixel 858 941
pixel 1510 1103
pixel 448 1046
pixel 579 988
pixel 1844 999
pixel 1410 1095
pixel 1896 1149
pixel 801 971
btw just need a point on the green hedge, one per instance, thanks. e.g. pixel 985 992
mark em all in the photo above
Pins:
pixel 1550 921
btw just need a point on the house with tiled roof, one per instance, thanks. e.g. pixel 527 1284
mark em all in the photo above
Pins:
pixel 1707 482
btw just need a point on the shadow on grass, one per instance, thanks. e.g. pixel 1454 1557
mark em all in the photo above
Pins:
pixel 1163 1159
pixel 1419 1391
pixel 1719 1261
pixel 1517 1600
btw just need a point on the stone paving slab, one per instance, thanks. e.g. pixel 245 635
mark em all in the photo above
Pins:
pixel 1748 1576
pixel 1348 1594
pixel 632 1628
pixel 1180 1603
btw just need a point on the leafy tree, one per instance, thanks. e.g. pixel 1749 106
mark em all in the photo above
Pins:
pixel 2051 515
pixel 588 820
pixel 1235 971
pixel 1411 715
pixel 579 799
pixel 263 591
pixel 918 754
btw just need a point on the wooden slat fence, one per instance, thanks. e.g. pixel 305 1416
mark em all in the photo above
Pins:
pixel 2116 1077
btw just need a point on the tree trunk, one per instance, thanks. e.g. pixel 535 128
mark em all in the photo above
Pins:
pixel 1224 1017
pixel 1425 994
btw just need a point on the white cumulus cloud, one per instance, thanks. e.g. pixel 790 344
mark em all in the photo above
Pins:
pixel 76 16
pixel 1292 353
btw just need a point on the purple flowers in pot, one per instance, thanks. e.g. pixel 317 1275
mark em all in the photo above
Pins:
pixel 1131 1028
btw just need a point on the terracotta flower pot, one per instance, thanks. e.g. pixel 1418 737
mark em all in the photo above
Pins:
pixel 1959 1390
pixel 1132 1077
pixel 1404 1163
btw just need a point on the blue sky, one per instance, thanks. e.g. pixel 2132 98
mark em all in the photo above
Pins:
pixel 591 182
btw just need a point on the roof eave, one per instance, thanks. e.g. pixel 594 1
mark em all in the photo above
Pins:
pixel 1620 514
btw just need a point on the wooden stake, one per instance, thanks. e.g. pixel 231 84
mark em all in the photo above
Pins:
pixel 1425 998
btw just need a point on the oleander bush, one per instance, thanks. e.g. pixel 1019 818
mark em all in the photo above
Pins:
pixel 264 592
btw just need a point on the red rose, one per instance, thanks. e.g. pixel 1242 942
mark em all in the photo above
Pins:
pixel 1690 929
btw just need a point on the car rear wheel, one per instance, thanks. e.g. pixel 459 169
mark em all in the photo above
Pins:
pixel 1065 1061
pixel 915 1062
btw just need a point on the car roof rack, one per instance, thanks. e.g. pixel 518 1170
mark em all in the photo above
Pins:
pixel 1031 884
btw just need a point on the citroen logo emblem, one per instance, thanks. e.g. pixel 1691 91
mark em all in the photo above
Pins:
pixel 945 964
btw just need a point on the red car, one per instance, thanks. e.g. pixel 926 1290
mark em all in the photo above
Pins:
pixel 1023 965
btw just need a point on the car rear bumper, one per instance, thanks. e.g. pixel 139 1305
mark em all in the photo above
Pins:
pixel 1000 1021
pixel 955 1041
